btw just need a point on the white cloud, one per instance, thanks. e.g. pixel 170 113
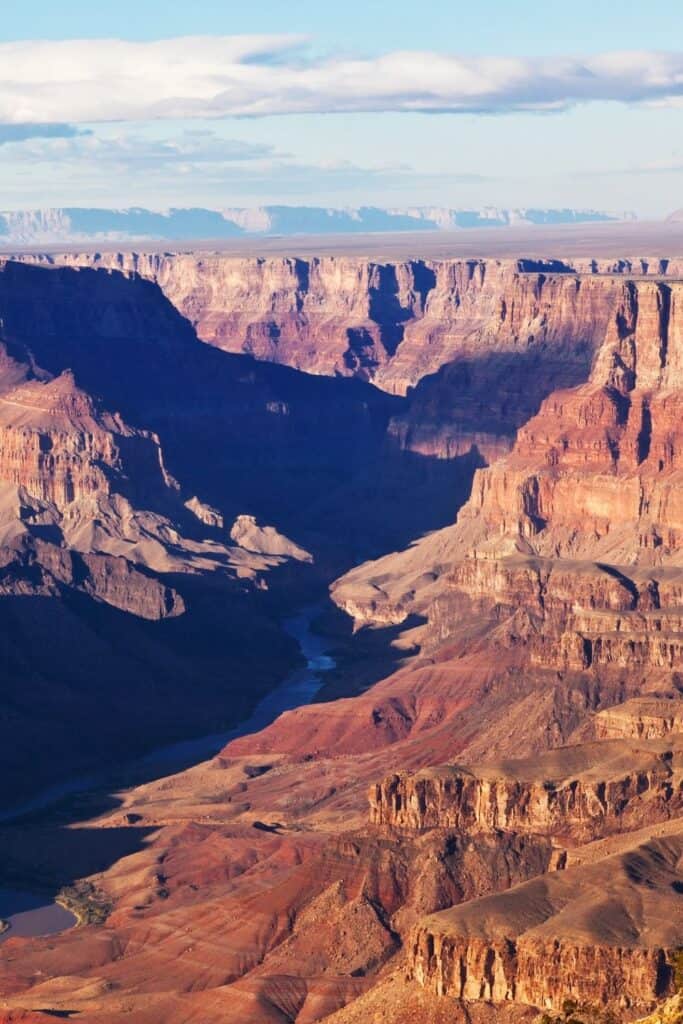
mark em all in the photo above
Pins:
pixel 126 168
pixel 212 77
pixel 124 150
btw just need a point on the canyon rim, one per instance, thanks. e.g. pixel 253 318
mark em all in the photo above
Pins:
pixel 341 514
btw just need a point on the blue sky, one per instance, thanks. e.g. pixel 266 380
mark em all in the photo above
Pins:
pixel 336 118
pixel 489 26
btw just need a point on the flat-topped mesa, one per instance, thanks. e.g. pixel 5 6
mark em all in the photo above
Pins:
pixel 603 935
pixel 577 793
pixel 640 718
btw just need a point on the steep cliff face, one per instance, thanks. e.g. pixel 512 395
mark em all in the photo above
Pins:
pixel 395 321
pixel 579 793
pixel 592 478
pixel 609 450
pixel 555 939
pixel 509 863
pixel 78 477
pixel 567 556
pixel 482 342
pixel 159 577
pixel 644 718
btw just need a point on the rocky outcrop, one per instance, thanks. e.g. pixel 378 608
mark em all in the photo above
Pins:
pixel 511 877
pixel 578 793
pixel 592 478
pixel 393 322
pixel 482 341
pixel 160 578
pixel 81 477
pixel 477 344
pixel 605 454
pixel 640 718
pixel 562 576
pixel 555 939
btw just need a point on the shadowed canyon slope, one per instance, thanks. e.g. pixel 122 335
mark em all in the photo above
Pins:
pixel 481 341
pixel 492 832
pixel 140 472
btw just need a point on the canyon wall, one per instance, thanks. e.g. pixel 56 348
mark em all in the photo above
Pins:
pixel 393 322
pixel 480 343
pixel 522 752
pixel 544 943
pixel 134 526
pixel 562 575
pixel 628 789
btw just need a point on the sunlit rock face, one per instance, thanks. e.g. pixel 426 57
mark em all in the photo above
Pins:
pixel 521 742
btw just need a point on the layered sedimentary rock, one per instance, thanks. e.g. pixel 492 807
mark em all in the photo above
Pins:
pixel 593 477
pixel 138 472
pixel 640 718
pixel 579 793
pixel 522 753
pixel 602 935
pixel 395 321
pixel 483 342
pixel 568 553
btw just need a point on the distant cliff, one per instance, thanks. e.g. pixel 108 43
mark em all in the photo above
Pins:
pixel 82 223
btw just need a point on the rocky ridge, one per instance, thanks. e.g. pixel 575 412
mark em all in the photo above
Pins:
pixel 524 848
pixel 128 530
pixel 480 342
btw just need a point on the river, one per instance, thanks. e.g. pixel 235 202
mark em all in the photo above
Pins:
pixel 30 914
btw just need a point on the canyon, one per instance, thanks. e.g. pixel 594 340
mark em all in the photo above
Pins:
pixel 480 816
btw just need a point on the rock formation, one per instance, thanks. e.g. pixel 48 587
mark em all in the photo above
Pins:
pixel 559 793
pixel 120 511
pixel 523 847
pixel 604 934
pixel 41 226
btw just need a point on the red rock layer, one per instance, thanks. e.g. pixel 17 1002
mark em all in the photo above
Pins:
pixel 482 342
pixel 264 894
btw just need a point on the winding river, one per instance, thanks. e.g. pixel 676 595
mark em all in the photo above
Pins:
pixel 30 914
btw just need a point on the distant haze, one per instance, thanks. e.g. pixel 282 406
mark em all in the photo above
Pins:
pixel 84 224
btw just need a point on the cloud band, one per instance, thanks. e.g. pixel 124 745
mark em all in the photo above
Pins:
pixel 49 83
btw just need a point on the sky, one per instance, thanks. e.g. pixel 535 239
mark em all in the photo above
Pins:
pixel 388 102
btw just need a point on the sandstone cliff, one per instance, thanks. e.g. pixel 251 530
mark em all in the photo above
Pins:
pixel 603 934
pixel 482 342
pixel 523 756
pixel 133 525
pixel 578 793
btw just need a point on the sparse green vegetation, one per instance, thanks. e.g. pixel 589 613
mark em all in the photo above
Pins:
pixel 677 965
pixel 573 1012
pixel 670 1013
pixel 88 904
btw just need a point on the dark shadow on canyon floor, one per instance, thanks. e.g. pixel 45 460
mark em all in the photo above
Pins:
pixel 334 463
